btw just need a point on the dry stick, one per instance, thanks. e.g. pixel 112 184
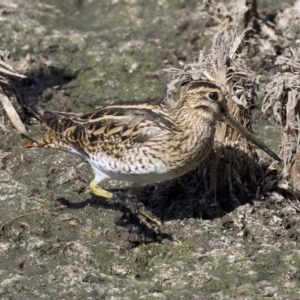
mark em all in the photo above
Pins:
pixel 6 69
pixel 32 212
pixel 295 206
pixel 12 114
pixel 230 183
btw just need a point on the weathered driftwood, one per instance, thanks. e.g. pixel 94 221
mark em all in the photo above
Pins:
pixel 283 94
pixel 7 95
pixel 232 160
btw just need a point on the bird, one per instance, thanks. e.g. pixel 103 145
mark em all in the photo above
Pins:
pixel 143 142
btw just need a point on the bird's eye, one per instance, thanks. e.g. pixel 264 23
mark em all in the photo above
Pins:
pixel 213 95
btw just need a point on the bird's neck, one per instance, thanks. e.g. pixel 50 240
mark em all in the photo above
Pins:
pixel 196 130
pixel 193 118
pixel 195 136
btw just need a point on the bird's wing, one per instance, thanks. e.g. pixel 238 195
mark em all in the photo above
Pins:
pixel 122 125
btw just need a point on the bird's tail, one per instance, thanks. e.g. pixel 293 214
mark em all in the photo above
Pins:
pixel 47 140
pixel 31 144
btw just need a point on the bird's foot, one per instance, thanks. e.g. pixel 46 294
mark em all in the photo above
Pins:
pixel 129 202
pixel 135 207
pixel 97 190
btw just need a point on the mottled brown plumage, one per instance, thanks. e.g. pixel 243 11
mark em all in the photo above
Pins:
pixel 143 142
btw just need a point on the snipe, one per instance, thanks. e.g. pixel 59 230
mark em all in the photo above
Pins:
pixel 143 142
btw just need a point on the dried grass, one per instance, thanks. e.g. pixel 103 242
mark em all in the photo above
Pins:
pixel 8 97
pixel 242 13
pixel 225 66
pixel 283 94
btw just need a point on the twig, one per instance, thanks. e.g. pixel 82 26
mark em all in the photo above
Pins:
pixel 295 206
pixel 13 115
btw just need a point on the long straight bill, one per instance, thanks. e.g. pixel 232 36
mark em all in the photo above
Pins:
pixel 227 119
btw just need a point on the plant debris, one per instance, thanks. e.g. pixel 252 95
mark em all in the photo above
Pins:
pixel 8 96
pixel 283 94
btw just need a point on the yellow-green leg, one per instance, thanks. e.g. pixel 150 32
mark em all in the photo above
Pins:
pixel 97 190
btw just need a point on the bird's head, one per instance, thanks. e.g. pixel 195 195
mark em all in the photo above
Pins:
pixel 210 104
pixel 206 98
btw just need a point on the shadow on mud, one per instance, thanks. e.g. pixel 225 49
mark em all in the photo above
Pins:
pixel 178 199
pixel 44 88
pixel 138 233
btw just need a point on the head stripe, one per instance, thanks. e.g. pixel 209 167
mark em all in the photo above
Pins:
pixel 196 84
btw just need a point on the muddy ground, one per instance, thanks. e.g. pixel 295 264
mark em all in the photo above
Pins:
pixel 60 242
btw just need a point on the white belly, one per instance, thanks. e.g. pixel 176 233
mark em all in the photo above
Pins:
pixel 153 173
pixel 104 170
